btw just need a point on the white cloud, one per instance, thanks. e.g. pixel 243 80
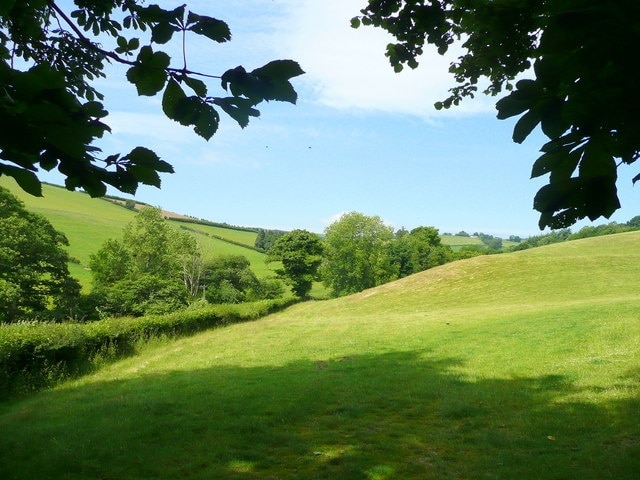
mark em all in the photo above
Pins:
pixel 347 69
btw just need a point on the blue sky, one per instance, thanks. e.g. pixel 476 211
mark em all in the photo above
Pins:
pixel 361 138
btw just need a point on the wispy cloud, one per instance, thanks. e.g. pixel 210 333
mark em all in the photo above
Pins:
pixel 347 69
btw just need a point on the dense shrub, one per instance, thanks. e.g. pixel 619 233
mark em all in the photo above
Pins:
pixel 36 355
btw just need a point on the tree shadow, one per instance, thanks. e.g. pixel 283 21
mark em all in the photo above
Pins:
pixel 397 415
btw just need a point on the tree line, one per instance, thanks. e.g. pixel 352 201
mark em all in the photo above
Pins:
pixel 156 268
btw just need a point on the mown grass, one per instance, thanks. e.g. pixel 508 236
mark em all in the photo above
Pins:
pixel 522 365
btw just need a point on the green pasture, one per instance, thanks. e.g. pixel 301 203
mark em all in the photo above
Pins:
pixel 89 222
pixel 456 242
pixel 238 236
pixel 212 246
pixel 517 366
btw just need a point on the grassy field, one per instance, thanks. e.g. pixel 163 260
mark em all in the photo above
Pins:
pixel 456 242
pixel 238 236
pixel 514 366
pixel 89 222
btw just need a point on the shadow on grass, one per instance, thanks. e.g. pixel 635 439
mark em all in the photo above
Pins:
pixel 398 415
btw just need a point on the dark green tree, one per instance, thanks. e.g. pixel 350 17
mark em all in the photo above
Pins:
pixel 33 263
pixel 51 114
pixel 266 238
pixel 357 254
pixel 427 250
pixel 418 250
pixel 229 279
pixel 634 222
pixel 493 243
pixel 300 252
pixel 582 90
pixel 154 268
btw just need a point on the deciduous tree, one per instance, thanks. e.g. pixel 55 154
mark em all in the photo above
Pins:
pixel 51 113
pixel 357 254
pixel 159 267
pixel 578 57
pixel 33 263
pixel 300 252
pixel 419 250
pixel 229 279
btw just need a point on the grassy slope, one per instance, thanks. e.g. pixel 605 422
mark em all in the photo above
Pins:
pixel 239 236
pixel 523 365
pixel 456 241
pixel 88 223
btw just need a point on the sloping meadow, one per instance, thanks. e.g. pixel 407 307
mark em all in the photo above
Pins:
pixel 522 365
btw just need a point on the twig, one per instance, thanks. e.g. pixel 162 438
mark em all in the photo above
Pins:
pixel 114 56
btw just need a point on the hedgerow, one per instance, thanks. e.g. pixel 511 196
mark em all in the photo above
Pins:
pixel 36 355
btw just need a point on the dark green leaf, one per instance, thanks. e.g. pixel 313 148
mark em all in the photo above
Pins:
pixel 596 161
pixel 198 86
pixel 566 163
pixel 148 158
pixel 553 123
pixel 149 74
pixel 510 106
pixel 212 28
pixel 27 180
pixel 162 32
pixel 95 109
pixel 193 111
pixel 92 185
pixel 544 164
pixel 207 123
pixel 525 126
pixel 172 94
pixel 6 6
pixel 234 76
pixel 186 110
pixel 279 70
pixel 153 13
pixel 145 175
pixel 240 109
pixel 48 161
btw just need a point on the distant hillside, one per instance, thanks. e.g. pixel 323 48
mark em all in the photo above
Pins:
pixel 89 222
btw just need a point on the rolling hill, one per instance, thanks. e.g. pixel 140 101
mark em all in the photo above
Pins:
pixel 523 365
pixel 89 222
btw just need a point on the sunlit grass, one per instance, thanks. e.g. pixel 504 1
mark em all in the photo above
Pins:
pixel 519 366
pixel 89 222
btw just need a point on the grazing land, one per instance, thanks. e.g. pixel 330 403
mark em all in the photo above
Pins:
pixel 523 365
pixel 89 222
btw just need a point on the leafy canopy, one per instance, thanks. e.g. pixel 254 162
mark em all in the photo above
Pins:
pixel 418 250
pixel 33 263
pixel 357 254
pixel 582 93
pixel 51 114
pixel 300 252
pixel 153 268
